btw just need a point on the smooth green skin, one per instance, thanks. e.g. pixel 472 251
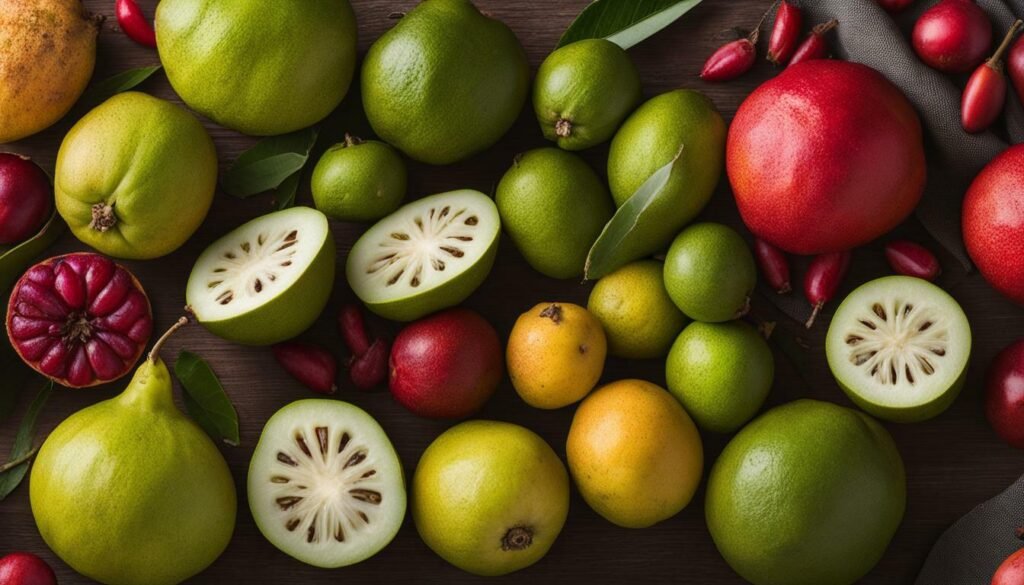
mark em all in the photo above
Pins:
pixel 639 318
pixel 130 491
pixel 478 480
pixel 591 84
pixel 553 206
pixel 710 273
pixel 445 83
pixel 359 182
pixel 148 158
pixel 262 68
pixel 721 373
pixel 810 493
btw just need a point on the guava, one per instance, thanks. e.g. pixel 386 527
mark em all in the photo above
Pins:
pixel 710 273
pixel 358 180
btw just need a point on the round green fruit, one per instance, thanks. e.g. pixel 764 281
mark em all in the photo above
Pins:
pixel 584 91
pixel 445 83
pixel 721 373
pixel 359 181
pixel 553 206
pixel 710 273
pixel 899 348
pixel 266 281
pixel 809 493
pixel 490 497
pixel 135 177
pixel 259 67
pixel 638 316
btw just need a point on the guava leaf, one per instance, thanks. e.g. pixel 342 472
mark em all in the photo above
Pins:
pixel 205 399
pixel 270 163
pixel 624 22
pixel 11 478
pixel 112 86
pixel 287 191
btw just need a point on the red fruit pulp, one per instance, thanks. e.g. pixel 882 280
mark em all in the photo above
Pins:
pixel 79 319
pixel 895 6
pixel 1011 571
pixel 954 36
pixel 822 280
pixel 26 198
pixel 134 23
pixel 993 223
pixel 446 365
pixel 814 46
pixel 825 157
pixel 1015 67
pixel 731 60
pixel 911 259
pixel 310 364
pixel 1004 395
pixel 785 33
pixel 22 568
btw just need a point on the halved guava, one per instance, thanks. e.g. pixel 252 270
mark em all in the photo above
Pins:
pixel 429 255
pixel 899 348
pixel 266 281
pixel 325 484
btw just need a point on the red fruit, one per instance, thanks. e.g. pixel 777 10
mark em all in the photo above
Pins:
pixel 134 23
pixel 814 46
pixel 774 266
pixel 895 6
pixel 785 33
pixel 310 364
pixel 26 198
pixel 993 223
pixel 446 365
pixel 822 280
pixel 954 36
pixel 22 568
pixel 1004 394
pixel 985 93
pixel 826 156
pixel 353 329
pixel 1015 67
pixel 1011 571
pixel 371 369
pixel 731 60
pixel 79 319
pixel 910 259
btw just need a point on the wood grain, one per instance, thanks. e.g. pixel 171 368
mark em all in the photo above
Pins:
pixel 953 462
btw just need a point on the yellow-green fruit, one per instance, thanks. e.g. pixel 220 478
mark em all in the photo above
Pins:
pixel 261 67
pixel 445 83
pixel 637 315
pixel 583 91
pixel 490 497
pixel 47 55
pixel 710 273
pixel 553 206
pixel 359 181
pixel 555 354
pixel 634 453
pixel 135 177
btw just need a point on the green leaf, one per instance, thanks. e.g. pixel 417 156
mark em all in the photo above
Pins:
pixel 287 191
pixel 205 398
pixel 269 164
pixel 625 22
pixel 14 261
pixel 617 245
pixel 121 82
pixel 10 479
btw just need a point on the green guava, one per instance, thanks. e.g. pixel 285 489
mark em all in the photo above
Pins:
pixel 710 273
pixel 359 180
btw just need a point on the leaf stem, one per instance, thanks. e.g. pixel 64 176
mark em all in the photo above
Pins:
pixel 19 460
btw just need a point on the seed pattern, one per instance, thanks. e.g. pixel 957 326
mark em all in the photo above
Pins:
pixel 253 267
pixel 896 341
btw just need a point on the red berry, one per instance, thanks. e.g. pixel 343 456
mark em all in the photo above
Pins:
pixel 1004 394
pixel 910 259
pixel 774 266
pixel 731 60
pixel 814 46
pixel 1015 67
pixel 310 364
pixel 134 23
pixel 953 36
pixel 22 568
pixel 785 33
pixel 370 370
pixel 26 198
pixel 822 280
pixel 985 93
pixel 895 6
pixel 353 329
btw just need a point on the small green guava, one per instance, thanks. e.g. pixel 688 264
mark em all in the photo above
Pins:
pixel 710 273
pixel 358 180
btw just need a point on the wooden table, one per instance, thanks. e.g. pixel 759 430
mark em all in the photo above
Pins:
pixel 953 462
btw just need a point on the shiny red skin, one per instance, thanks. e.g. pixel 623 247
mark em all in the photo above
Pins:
pixel 1015 66
pixel 1004 394
pixel 1011 571
pixel 26 198
pixel 134 24
pixel 821 282
pixel 371 369
pixel 785 33
pixel 826 156
pixel 912 259
pixel 446 365
pixel 774 266
pixel 731 60
pixel 353 329
pixel 895 6
pixel 983 99
pixel 993 223
pixel 313 366
pixel 814 46
pixel 954 36
pixel 22 568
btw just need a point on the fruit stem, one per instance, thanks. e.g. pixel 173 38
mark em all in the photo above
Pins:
pixel 154 354
pixel 351 141
pixel 19 460
pixel 814 315
pixel 517 538
pixel 996 62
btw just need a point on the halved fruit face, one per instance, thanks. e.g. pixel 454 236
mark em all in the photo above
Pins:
pixel 429 255
pixel 325 484
pixel 899 347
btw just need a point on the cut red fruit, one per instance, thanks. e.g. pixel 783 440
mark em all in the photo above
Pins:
pixel 785 33
pixel 26 198
pixel 731 60
pixel 134 23
pixel 814 46
pixel 985 92
pixel 370 370
pixel 911 259
pixel 774 266
pixel 954 36
pixel 822 280
pixel 22 568
pixel 310 364
pixel 80 319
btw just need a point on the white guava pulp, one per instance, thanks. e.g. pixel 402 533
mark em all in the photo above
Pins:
pixel 325 484
pixel 899 348
pixel 429 255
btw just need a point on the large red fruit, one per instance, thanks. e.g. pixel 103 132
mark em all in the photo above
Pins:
pixel 22 568
pixel 1011 571
pixel 446 365
pixel 825 157
pixel 993 222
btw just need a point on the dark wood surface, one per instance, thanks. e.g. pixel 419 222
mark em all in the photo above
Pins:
pixel 953 462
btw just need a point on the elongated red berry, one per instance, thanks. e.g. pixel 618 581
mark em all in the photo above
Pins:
pixel 814 46
pixel 731 60
pixel 912 259
pixel 785 33
pixel 895 6
pixel 1015 67
pixel 310 364
pixel 985 92
pixel 774 266
pixel 370 370
pixel 822 280
pixel 134 23
pixel 353 329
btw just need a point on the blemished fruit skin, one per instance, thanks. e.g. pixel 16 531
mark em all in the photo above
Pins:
pixel 135 177
pixel 446 365
pixel 721 373
pixel 993 223
pixel 786 507
pixel 825 157
pixel 262 68
pixel 445 83
pixel 634 453
pixel 490 497
pixel 22 568
pixel 553 206
pixel 639 319
pixel 1011 571
pixel 359 181
pixel 953 36
pixel 710 273
pixel 583 92
pixel 49 56
pixel 1004 395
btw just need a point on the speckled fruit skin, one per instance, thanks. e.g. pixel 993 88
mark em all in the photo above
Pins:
pixel 825 157
pixel 953 36
pixel 1011 571
pixel 993 223
pixel 1004 395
